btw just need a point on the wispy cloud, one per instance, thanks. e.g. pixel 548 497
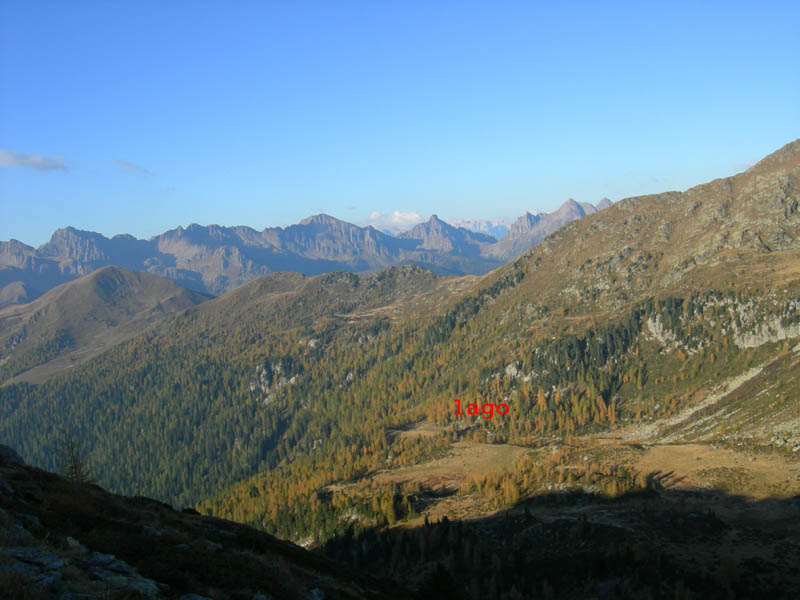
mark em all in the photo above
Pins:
pixel 133 168
pixel 9 158
pixel 395 222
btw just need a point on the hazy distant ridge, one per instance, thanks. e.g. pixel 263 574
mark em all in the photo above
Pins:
pixel 215 259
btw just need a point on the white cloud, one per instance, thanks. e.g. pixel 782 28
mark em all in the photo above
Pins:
pixel 133 168
pixel 9 159
pixel 395 222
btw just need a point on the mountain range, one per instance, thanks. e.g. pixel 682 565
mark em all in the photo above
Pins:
pixel 214 259
pixel 647 353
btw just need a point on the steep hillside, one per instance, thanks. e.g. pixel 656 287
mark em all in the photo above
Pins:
pixel 63 539
pixel 80 319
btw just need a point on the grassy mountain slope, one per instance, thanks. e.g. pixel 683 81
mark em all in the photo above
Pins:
pixel 80 319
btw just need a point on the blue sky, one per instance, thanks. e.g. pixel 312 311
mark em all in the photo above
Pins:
pixel 138 117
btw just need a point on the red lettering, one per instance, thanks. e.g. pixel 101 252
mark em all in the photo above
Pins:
pixel 487 410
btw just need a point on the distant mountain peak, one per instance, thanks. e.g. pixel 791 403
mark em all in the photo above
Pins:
pixel 321 219
pixel 573 207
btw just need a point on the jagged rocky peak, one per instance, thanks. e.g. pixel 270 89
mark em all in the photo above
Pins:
pixel 423 230
pixel 436 224
pixel 522 225
pixel 572 207
pixel 604 203
pixel 14 245
pixel 75 243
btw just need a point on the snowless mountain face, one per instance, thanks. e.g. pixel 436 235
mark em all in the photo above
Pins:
pixel 531 229
pixel 496 228
pixel 214 259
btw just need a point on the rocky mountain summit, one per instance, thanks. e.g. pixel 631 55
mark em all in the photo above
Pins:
pixel 68 540
pixel 530 229
pixel 435 234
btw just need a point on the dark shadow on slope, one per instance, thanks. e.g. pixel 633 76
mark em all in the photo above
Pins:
pixel 658 542
pixel 62 539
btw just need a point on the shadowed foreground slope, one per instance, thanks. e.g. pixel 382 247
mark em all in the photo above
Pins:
pixel 60 539
pixel 655 542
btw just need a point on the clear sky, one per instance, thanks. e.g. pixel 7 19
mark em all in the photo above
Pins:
pixel 138 117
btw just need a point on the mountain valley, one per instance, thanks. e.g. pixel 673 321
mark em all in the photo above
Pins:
pixel 649 354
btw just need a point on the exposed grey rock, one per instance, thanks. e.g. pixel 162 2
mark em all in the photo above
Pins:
pixel 115 580
pixel 108 562
pixel 48 578
pixel 146 587
pixel 98 559
pixel 36 556
pixel 74 544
